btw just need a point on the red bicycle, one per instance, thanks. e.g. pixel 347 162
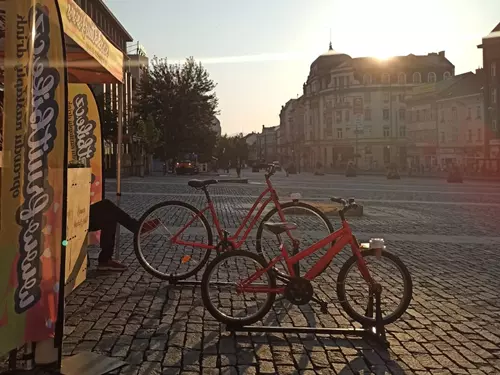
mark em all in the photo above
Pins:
pixel 183 241
pixel 260 284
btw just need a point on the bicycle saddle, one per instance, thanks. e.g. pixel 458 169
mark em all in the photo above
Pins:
pixel 278 228
pixel 201 183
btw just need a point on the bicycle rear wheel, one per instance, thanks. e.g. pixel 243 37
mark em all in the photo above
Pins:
pixel 312 225
pixel 395 297
pixel 236 309
pixel 155 250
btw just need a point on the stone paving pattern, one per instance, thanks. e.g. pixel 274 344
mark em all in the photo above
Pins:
pixel 451 327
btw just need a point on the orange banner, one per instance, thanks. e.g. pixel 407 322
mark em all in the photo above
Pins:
pixel 85 141
pixel 33 173
pixel 80 27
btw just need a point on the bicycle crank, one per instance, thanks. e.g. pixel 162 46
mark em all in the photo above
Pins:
pixel 299 291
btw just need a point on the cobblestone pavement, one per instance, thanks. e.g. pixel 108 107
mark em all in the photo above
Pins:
pixel 446 234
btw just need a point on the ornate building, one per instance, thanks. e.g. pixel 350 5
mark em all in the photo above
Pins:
pixel 491 63
pixel 353 109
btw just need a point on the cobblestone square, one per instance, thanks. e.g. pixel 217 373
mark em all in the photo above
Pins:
pixel 446 234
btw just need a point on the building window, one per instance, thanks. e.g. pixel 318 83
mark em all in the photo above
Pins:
pixel 479 135
pixel 454 114
pixel 386 78
pixel 493 69
pixel 386 131
pixel 494 125
pixel 446 75
pixel 441 113
pixel 347 116
pixel 469 133
pixel 385 114
pixel 469 113
pixel 402 113
pixel 417 114
pixel 402 78
pixel 417 78
pixel 338 117
pixel 454 134
pixel 368 97
pixel 493 96
pixel 367 79
pixel 443 138
pixel 431 77
pixel 478 112
pixel 339 133
pixel 402 131
pixel 368 114
pixel 346 81
pixel 387 96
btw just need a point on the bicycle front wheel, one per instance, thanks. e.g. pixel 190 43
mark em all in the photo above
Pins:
pixel 353 291
pixel 219 294
pixel 167 259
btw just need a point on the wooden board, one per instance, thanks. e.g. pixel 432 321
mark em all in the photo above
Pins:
pixel 77 227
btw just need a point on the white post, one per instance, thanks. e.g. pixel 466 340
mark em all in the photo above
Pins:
pixel 119 163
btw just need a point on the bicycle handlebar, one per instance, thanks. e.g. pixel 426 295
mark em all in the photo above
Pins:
pixel 347 203
pixel 271 170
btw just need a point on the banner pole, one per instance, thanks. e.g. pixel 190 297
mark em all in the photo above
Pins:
pixel 119 163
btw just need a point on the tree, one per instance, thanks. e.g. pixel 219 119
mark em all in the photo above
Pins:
pixel 231 149
pixel 181 102
pixel 149 133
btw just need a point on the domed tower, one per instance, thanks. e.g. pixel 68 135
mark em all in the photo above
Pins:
pixel 321 67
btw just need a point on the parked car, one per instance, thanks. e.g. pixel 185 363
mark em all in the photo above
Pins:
pixel 186 167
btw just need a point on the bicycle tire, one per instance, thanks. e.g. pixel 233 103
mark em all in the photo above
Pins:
pixel 364 320
pixel 205 294
pixel 286 205
pixel 145 264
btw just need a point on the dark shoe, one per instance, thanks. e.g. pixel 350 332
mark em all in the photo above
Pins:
pixel 111 265
pixel 150 226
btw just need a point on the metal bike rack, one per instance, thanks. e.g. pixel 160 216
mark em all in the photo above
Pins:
pixel 194 283
pixel 376 332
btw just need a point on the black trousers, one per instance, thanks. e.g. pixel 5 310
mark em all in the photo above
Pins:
pixel 104 216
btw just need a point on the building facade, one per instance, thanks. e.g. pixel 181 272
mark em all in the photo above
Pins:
pixel 107 95
pixel 353 109
pixel 445 124
pixel 267 144
pixel 491 64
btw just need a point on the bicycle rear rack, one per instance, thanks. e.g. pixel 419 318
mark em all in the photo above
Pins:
pixel 376 332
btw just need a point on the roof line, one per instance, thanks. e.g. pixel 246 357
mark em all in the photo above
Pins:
pixel 106 8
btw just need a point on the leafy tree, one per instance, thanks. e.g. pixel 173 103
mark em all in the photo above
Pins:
pixel 231 149
pixel 181 102
pixel 149 133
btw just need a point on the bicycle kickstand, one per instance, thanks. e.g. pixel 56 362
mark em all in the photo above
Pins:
pixel 322 304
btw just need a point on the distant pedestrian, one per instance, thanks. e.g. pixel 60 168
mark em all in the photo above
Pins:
pixel 238 167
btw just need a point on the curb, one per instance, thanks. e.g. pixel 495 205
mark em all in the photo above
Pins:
pixel 235 181
pixel 331 208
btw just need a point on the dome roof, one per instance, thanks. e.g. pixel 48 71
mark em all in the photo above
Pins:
pixel 328 60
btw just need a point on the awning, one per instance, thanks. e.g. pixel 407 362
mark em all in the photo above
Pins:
pixel 91 57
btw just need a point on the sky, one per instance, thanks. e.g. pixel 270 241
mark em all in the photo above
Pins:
pixel 259 52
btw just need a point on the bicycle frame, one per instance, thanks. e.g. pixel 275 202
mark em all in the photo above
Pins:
pixel 343 236
pixel 235 239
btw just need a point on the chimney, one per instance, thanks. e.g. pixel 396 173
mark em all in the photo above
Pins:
pixel 441 53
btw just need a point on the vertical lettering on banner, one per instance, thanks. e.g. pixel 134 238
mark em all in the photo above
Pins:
pixel 33 173
pixel 85 138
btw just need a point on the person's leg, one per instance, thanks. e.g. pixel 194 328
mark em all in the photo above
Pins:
pixel 106 211
pixel 105 216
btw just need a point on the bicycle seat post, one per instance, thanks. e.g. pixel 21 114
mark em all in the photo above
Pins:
pixel 207 195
